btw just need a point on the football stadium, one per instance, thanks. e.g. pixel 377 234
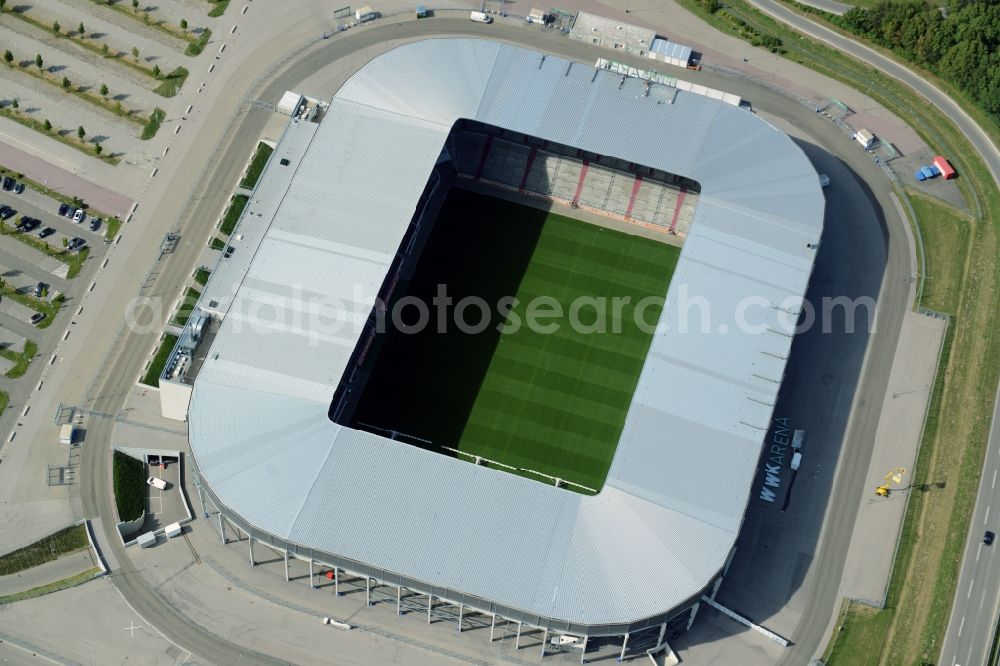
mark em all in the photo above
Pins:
pixel 448 353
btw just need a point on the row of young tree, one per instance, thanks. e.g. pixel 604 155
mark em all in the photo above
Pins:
pixel 959 41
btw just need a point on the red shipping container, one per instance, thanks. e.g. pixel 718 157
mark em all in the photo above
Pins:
pixel 944 166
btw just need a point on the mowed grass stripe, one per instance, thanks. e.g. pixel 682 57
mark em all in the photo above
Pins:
pixel 557 402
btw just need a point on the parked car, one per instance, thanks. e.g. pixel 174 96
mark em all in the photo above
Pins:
pixel 988 538
pixel 37 318
pixel 41 289
pixel 64 210
pixel 79 216
pixel 76 243
pixel 157 482
pixel 8 184
pixel 95 224
pixel 29 224
pixel 46 232
pixel 18 188
pixel 6 212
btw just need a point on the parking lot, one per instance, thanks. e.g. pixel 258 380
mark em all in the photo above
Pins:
pixel 38 296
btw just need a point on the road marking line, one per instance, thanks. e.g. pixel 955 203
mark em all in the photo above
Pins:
pixel 994 484
pixel 983 600
pixel 979 550
pixel 987 517
pixel 960 625
pixel 971 582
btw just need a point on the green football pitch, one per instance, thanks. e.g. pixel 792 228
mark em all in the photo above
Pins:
pixel 550 397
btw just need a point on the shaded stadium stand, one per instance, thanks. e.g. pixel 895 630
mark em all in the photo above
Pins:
pixel 606 185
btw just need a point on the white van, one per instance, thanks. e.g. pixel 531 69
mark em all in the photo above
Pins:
pixel 481 17
pixel 796 460
pixel 157 482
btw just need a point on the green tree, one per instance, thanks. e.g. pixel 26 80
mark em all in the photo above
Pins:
pixel 156 71
pixel 97 148
pixel 80 132
pixel 80 29
pixel 104 90
pixel 8 56
pixel 2 4
pixel 184 24
pixel 135 5
pixel 38 60
pixel 66 83
pixel 104 49
pixel 135 52
pixel 47 125
pixel 55 27
pixel 14 103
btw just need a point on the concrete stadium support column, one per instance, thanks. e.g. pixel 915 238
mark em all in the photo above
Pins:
pixel 621 657
pixel 222 531
pixel 336 581
pixel 461 610
pixel 250 544
pixel 399 600
pixel 694 611
pixel 517 639
pixel 312 583
pixel 493 624
pixel 201 500
pixel 545 638
pixel 368 590
pixel 430 602
pixel 286 567
pixel 663 632
pixel 583 652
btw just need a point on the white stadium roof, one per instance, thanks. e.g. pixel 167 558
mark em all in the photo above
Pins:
pixel 667 518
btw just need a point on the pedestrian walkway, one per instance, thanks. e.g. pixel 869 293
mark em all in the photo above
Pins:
pixel 50 572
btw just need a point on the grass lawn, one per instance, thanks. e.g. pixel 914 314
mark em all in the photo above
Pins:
pixel 186 306
pixel 233 212
pixel 172 82
pixel 152 376
pixel 946 235
pixel 44 550
pixel 859 626
pixel 4 401
pixel 548 401
pixel 217 244
pixel 218 7
pixel 63 584
pixel 257 165
pixel 111 227
pixel 201 276
pixel 130 486
pixel 21 359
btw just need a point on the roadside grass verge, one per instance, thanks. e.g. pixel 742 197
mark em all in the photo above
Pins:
pixel 47 549
pixel 861 619
pixel 74 260
pixel 21 359
pixel 63 136
pixel 152 376
pixel 52 194
pixel 172 82
pixel 201 276
pixel 152 125
pixel 217 244
pixel 129 478
pixel 4 401
pixel 186 306
pixel 949 463
pixel 112 225
pixel 946 232
pixel 219 8
pixel 233 212
pixel 198 45
pixel 63 584
pixel 257 165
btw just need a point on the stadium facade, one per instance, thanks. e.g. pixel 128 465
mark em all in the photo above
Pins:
pixel 323 235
